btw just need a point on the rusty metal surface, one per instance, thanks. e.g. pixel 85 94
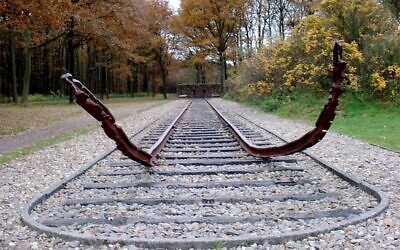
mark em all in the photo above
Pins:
pixel 96 108
pixel 117 187
pixel 156 148
pixel 322 125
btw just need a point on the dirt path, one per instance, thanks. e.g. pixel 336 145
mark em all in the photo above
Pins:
pixel 19 141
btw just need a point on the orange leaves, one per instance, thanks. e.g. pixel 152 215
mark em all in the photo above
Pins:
pixel 210 23
pixel 37 15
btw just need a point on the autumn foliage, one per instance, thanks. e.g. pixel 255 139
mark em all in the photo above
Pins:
pixel 113 46
pixel 371 42
pixel 252 48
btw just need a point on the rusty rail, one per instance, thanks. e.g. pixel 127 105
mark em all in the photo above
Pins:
pixel 88 101
pixel 96 108
pixel 322 125
pixel 156 148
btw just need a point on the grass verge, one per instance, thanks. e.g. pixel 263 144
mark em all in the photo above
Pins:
pixel 4 158
pixel 15 119
pixel 377 123
pixel 63 136
pixel 369 120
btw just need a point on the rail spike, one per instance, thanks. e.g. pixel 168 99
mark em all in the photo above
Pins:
pixel 88 101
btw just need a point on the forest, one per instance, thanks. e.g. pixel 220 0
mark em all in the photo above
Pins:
pixel 252 48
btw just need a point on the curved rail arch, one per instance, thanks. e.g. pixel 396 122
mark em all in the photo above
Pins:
pixel 99 111
pixel 322 125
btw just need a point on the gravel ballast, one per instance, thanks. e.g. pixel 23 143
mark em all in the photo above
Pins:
pixel 27 176
pixel 24 178
pixel 373 164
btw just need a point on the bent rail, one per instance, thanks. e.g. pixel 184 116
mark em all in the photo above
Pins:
pixel 322 125
pixel 89 102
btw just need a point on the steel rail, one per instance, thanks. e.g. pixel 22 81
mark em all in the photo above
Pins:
pixel 30 219
pixel 156 148
pixel 309 139
pixel 89 102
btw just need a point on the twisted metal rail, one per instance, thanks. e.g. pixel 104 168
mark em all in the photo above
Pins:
pixel 322 125
pixel 99 111
pixel 89 102
pixel 30 214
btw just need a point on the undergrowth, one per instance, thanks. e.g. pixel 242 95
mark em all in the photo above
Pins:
pixel 365 118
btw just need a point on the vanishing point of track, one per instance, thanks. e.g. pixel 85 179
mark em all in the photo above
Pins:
pixel 204 190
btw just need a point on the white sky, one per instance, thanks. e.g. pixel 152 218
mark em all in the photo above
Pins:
pixel 174 4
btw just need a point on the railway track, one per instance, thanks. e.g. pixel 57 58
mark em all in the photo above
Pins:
pixel 204 191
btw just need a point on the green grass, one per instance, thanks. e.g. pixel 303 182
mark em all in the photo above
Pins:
pixel 39 98
pixel 19 118
pixel 369 120
pixel 36 116
pixel 44 143
pixel 217 246
pixel 13 131
pixel 373 122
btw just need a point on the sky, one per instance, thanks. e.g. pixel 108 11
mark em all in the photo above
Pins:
pixel 174 3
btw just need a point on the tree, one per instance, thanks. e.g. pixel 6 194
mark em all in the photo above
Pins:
pixel 112 45
pixel 157 27
pixel 357 20
pixel 33 21
pixel 211 25
pixel 13 64
pixel 394 6
pixel 370 42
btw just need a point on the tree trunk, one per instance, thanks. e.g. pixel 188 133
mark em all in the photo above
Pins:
pixel 153 84
pixel 134 78
pixel 13 66
pixel 129 86
pixel 197 66
pixel 164 84
pixel 222 73
pixel 103 81
pixel 146 82
pixel 28 67
pixel 70 55
pixel 164 74
pixel 88 66
pixel 46 70
pixel 203 74
pixel 106 81
pixel 260 37
pixel 281 18
pixel 139 78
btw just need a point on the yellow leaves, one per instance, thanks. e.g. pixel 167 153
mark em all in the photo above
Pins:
pixel 378 81
pixel 388 81
pixel 393 94
pixel 289 78
pixel 303 74
pixel 351 69
pixel 352 53
pixel 260 88
pixel 283 47
pixel 356 19
pixel 394 71
pixel 353 81
pixel 304 60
